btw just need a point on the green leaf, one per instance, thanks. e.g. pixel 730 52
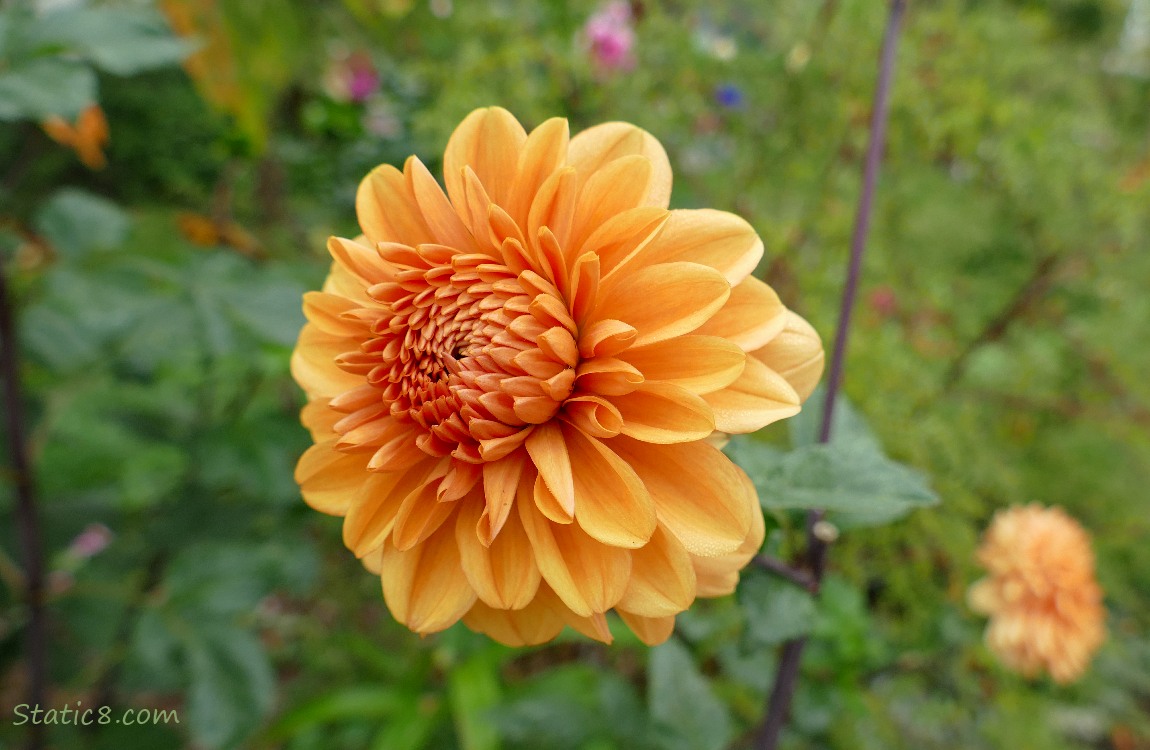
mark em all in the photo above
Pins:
pixel 122 41
pixel 413 725
pixel 349 703
pixel 686 711
pixel 473 687
pixel 76 222
pixel 776 610
pixel 232 686
pixel 46 86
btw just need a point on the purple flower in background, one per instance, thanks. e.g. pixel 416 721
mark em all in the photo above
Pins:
pixel 352 78
pixel 91 541
pixel 610 36
pixel 729 95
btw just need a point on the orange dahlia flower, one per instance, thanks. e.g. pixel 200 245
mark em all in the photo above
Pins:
pixel 511 385
pixel 1044 605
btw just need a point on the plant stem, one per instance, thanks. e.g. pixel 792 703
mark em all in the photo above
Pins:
pixel 28 517
pixel 779 701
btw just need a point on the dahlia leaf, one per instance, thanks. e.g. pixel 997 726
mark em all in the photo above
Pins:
pixel 46 86
pixel 474 690
pixel 76 222
pixel 776 610
pixel 232 686
pixel 687 713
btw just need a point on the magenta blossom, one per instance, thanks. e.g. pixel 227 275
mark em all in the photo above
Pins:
pixel 610 36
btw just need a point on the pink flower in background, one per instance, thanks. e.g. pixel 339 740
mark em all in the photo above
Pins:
pixel 352 78
pixel 611 37
pixel 91 541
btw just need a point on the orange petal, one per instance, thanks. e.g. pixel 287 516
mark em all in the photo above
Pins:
pixel 588 576
pixel 387 210
pixel 717 239
pixel 440 216
pixel 313 363
pixel 489 140
pixel 750 318
pixel 319 418
pixel 594 627
pixel 374 507
pixel 538 622
pixel 598 146
pixel 548 452
pixel 701 364
pixel 606 338
pixel 594 415
pixel 719 575
pixel 664 413
pixel 500 483
pixel 662 579
pixel 699 494
pixel 363 262
pixel 618 186
pixel 544 152
pixel 504 574
pixel 420 514
pixel 425 587
pixel 553 208
pixel 325 311
pixel 328 478
pixel 664 301
pixel 796 354
pixel 651 630
pixel 759 397
pixel 611 503
pixel 624 236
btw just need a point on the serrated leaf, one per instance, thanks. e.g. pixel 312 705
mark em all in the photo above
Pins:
pixel 77 222
pixel 776 610
pixel 232 686
pixel 46 86
pixel 687 713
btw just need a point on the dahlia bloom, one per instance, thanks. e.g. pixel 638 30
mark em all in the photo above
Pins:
pixel 512 385
pixel 1044 605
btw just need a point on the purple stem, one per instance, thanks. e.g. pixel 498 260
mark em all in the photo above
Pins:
pixel 779 701
pixel 27 516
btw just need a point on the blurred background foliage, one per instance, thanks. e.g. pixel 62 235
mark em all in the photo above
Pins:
pixel 1000 349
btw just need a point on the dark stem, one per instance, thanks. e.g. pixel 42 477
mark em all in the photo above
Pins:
pixel 27 515
pixel 779 701
pixel 801 577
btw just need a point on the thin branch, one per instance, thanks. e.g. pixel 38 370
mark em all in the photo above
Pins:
pixel 798 576
pixel 779 701
pixel 27 515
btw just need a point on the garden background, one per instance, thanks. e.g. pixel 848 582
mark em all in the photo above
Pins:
pixel 999 348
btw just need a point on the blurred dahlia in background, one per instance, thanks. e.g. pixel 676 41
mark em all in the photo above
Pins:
pixel 1044 604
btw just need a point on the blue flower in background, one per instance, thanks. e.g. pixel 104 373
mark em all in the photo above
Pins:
pixel 729 95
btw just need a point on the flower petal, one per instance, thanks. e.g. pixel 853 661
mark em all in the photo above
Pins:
pixel 425 587
pixel 662 579
pixel 618 186
pixel 328 478
pixel 651 630
pixel 611 503
pixel 664 301
pixel 717 239
pixel 587 575
pixel 544 151
pixel 701 364
pixel 387 209
pixel 699 494
pixel 438 213
pixel 719 575
pixel 313 364
pixel 548 452
pixel 664 413
pixel 751 317
pixel 504 574
pixel 538 622
pixel 598 146
pixel 757 398
pixel 796 354
pixel 489 141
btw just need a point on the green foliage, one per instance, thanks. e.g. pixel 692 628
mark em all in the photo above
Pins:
pixel 997 356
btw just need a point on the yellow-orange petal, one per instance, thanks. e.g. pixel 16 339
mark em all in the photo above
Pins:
pixel 538 622
pixel 611 503
pixel 751 317
pixel 328 478
pixel 387 209
pixel 598 146
pixel 699 494
pixel 376 503
pixel 664 301
pixel 489 141
pixel 313 364
pixel 438 213
pixel 544 151
pixel 662 578
pixel 325 311
pixel 664 413
pixel 594 627
pixel 500 483
pixel 717 239
pixel 319 418
pixel 700 364
pixel 718 576
pixel 650 630
pixel 757 398
pixel 796 354
pixel 425 587
pixel 548 451
pixel 504 573
pixel 587 575
pixel 618 186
